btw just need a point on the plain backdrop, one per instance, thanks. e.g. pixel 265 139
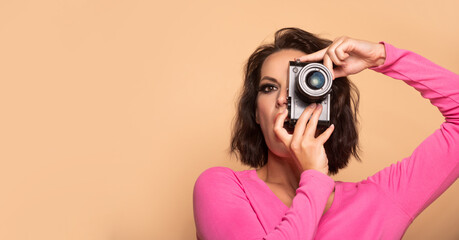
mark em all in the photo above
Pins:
pixel 110 110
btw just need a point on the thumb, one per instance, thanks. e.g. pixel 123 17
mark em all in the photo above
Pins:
pixel 339 72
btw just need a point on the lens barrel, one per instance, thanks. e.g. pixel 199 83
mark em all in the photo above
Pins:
pixel 314 81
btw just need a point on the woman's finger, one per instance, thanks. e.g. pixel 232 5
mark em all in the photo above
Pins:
pixel 301 123
pixel 279 129
pixel 329 64
pixel 314 57
pixel 339 72
pixel 331 52
pixel 312 124
pixel 322 138
pixel 343 48
pixel 341 54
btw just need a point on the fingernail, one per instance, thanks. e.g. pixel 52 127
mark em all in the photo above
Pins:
pixel 313 105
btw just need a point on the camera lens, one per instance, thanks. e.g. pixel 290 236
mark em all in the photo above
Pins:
pixel 315 80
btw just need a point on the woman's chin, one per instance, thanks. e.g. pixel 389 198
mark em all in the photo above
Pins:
pixel 280 152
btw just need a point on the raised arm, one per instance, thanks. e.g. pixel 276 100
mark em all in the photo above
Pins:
pixel 418 180
pixel 223 211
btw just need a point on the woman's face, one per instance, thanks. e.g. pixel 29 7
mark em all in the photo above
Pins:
pixel 272 96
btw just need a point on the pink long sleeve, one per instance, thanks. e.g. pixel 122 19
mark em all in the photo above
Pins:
pixel 222 210
pixel 419 179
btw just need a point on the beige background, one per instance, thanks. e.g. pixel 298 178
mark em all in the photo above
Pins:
pixel 109 110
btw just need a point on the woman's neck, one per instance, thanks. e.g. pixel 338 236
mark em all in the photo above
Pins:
pixel 282 171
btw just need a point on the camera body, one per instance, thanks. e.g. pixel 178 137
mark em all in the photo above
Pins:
pixel 308 83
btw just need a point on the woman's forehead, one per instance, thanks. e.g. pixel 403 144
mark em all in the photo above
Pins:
pixel 277 63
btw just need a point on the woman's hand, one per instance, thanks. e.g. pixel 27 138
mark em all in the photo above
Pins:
pixel 307 150
pixel 350 56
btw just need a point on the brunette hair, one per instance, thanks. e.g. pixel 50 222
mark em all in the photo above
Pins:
pixel 247 138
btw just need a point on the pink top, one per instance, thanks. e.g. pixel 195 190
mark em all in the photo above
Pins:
pixel 239 205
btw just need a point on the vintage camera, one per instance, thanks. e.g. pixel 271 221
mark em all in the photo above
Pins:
pixel 308 83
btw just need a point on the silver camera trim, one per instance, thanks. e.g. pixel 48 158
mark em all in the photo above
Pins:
pixel 295 104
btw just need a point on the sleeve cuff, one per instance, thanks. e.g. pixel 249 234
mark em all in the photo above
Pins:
pixel 316 179
pixel 389 58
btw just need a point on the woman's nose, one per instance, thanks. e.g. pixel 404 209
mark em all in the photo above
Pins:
pixel 282 99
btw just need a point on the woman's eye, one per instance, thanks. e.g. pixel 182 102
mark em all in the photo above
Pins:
pixel 267 88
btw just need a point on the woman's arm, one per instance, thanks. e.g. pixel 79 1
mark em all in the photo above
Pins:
pixel 223 211
pixel 418 180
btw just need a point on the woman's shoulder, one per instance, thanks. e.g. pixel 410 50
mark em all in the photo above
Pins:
pixel 218 181
pixel 218 177
pixel 216 173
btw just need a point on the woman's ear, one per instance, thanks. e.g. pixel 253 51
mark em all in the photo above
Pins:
pixel 256 117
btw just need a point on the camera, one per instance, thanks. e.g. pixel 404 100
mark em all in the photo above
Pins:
pixel 308 83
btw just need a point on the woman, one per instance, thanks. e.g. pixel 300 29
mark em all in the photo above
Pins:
pixel 289 194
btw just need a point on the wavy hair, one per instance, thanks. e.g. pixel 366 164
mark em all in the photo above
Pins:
pixel 247 140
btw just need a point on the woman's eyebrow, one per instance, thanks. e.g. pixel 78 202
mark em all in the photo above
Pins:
pixel 269 79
